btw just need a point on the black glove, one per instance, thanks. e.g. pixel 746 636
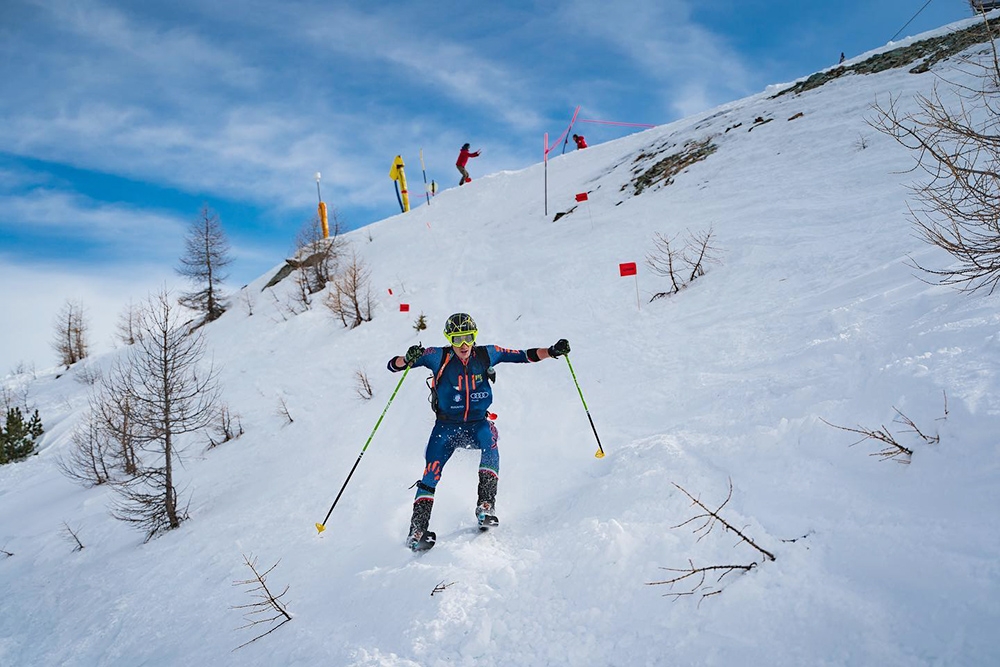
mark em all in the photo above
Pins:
pixel 412 354
pixel 560 348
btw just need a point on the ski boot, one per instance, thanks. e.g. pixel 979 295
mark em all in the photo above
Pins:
pixel 486 508
pixel 421 539
pixel 484 514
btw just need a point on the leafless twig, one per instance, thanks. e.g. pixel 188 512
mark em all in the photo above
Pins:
pixel 664 261
pixel 903 419
pixel 283 409
pixel 710 517
pixel 800 537
pixel 247 301
pixel 441 587
pixel 70 534
pixel 699 251
pixel 224 428
pixel 362 385
pixel 707 520
pixel 700 573
pixel 280 308
pixel 266 602
pixel 892 450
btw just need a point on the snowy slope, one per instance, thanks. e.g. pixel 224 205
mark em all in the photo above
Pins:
pixel 812 314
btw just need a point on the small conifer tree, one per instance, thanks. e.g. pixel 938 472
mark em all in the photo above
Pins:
pixel 17 437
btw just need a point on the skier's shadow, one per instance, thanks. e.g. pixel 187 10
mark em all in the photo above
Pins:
pixel 470 531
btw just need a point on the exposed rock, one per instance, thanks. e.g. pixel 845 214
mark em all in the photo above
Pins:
pixel 562 213
pixel 665 170
pixel 926 51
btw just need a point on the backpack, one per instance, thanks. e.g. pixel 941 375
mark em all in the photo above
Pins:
pixel 432 380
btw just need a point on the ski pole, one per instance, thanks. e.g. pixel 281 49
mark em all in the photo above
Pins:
pixel 424 170
pixel 600 450
pixel 322 526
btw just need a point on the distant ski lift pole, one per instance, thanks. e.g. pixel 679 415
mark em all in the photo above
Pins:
pixel 423 169
pixel 322 209
pixel 545 159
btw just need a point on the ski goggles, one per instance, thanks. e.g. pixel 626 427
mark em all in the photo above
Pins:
pixel 461 338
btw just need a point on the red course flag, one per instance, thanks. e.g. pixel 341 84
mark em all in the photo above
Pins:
pixel 627 269
pixel 582 196
pixel 390 291
pixel 404 307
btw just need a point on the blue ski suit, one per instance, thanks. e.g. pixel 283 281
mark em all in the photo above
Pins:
pixel 463 396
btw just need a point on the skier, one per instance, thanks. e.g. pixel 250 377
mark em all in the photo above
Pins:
pixel 463 159
pixel 461 395
pixel 579 141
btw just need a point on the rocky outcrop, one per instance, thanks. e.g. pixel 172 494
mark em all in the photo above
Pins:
pixel 924 53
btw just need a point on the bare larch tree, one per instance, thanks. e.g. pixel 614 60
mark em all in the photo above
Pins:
pixel 115 416
pixel 955 136
pixel 319 257
pixel 126 330
pixel 351 298
pixel 70 340
pixel 665 260
pixel 87 461
pixel 167 394
pixel 206 256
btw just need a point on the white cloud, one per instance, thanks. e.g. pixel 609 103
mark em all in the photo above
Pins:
pixel 76 217
pixel 440 65
pixel 176 53
pixel 664 42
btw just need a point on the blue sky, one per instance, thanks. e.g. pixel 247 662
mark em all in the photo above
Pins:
pixel 121 118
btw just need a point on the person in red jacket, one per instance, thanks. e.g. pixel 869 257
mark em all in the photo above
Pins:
pixel 580 141
pixel 463 158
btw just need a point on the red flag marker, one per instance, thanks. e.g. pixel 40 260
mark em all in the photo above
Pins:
pixel 404 307
pixel 582 196
pixel 390 291
pixel 628 269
